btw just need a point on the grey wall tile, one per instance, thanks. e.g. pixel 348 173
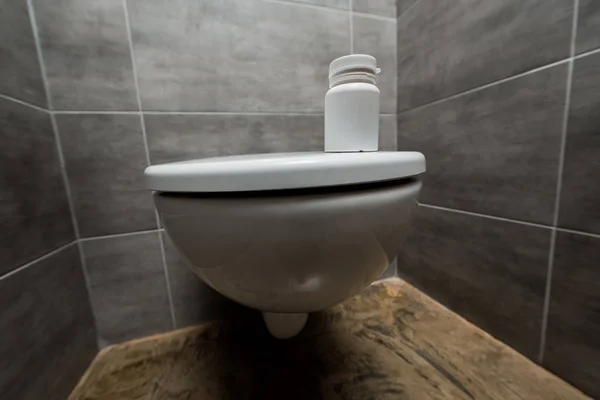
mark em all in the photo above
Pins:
pixel 580 194
pixel 34 211
pixel 20 67
pixel 86 53
pixel 387 133
pixel 105 159
pixel 47 335
pixel 491 272
pixel 493 151
pixel 193 301
pixel 572 345
pixel 588 26
pixel 448 47
pixel 184 137
pixel 339 4
pixel 261 56
pixel 128 287
pixel 385 8
pixel 378 38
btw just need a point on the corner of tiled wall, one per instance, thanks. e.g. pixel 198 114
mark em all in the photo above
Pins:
pixel 508 229
pixel 46 318
pixel 136 82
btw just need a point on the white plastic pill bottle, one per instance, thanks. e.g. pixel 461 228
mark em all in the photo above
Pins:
pixel 352 105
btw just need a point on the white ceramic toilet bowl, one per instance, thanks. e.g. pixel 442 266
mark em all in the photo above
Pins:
pixel 291 251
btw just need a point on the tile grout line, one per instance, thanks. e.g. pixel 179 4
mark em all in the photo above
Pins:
pixel 208 113
pixel 76 112
pixel 61 158
pixel 306 5
pixel 118 235
pixel 327 9
pixel 65 176
pixel 581 233
pixel 492 217
pixel 74 220
pixel 38 49
pixel 86 277
pixel 473 214
pixel 587 53
pixel 58 142
pixel 561 162
pixel 488 85
pixel 373 16
pixel 37 260
pixel 565 122
pixel 546 305
pixel 135 79
pixel 351 22
pixel 395 76
pixel 23 103
pixel 168 282
pixel 59 149
pixel 93 112
pixel 145 139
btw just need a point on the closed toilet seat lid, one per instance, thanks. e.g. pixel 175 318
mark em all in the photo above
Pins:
pixel 278 171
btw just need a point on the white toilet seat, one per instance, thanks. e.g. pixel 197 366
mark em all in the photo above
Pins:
pixel 277 171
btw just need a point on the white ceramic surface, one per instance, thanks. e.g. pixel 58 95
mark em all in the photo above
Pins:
pixel 282 171
pixel 285 325
pixel 291 252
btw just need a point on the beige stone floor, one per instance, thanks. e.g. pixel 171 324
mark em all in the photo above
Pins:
pixel 389 342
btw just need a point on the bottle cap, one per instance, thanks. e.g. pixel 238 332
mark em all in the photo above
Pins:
pixel 359 62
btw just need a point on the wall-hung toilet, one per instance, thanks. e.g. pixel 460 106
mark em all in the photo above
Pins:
pixel 291 233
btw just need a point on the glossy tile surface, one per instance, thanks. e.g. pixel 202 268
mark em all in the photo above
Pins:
pixel 105 159
pixel 34 211
pixel 86 53
pixel 588 26
pixel 194 301
pixel 493 151
pixel 378 38
pixel 19 69
pixel 491 272
pixel 390 342
pixel 572 345
pixel 580 194
pixel 186 137
pixel 261 56
pixel 384 8
pixel 128 288
pixel 446 48
pixel 47 336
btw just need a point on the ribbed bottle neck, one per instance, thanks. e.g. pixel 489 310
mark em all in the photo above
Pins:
pixel 355 73
pixel 352 76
